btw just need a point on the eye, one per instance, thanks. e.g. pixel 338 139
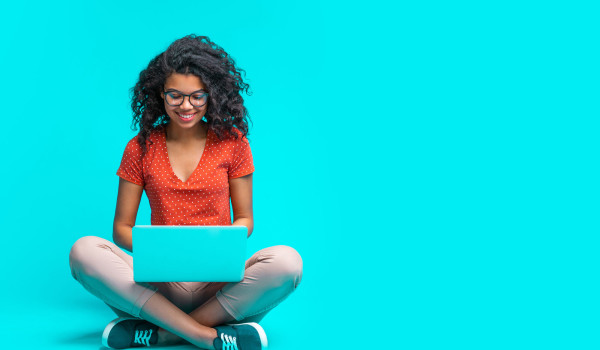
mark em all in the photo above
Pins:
pixel 174 95
pixel 198 97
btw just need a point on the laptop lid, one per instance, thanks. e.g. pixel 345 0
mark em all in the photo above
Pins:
pixel 189 253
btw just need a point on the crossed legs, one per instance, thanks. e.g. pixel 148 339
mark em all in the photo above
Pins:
pixel 106 271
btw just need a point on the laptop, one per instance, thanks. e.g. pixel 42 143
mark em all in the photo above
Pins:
pixel 189 253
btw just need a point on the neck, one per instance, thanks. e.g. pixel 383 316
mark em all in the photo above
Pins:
pixel 175 133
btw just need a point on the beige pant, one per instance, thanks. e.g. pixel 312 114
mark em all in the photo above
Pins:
pixel 106 271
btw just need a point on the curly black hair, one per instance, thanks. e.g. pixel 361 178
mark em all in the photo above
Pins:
pixel 201 57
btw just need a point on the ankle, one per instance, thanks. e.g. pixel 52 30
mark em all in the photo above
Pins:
pixel 167 338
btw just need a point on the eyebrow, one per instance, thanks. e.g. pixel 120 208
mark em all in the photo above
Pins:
pixel 175 90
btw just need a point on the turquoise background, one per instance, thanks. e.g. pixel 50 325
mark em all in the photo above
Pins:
pixel 434 163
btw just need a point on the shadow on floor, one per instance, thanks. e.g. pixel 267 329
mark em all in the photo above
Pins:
pixel 91 338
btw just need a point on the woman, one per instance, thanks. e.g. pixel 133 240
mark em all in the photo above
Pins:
pixel 191 156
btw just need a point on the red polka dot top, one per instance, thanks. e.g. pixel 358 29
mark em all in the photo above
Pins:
pixel 203 199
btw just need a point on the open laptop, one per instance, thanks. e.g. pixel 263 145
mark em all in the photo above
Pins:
pixel 189 253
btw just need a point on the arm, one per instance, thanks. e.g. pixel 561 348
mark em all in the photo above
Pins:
pixel 128 202
pixel 241 201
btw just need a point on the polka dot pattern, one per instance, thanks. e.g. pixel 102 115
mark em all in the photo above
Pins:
pixel 203 199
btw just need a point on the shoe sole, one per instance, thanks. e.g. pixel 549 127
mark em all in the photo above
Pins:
pixel 109 327
pixel 261 333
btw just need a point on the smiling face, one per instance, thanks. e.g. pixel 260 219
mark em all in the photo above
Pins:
pixel 186 115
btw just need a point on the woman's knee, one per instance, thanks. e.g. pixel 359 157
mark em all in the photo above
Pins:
pixel 286 263
pixel 80 253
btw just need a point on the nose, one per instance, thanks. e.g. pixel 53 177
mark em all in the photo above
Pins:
pixel 186 103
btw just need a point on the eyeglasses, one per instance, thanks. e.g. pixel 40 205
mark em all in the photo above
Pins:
pixel 176 98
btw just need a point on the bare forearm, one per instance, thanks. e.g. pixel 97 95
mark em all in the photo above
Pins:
pixel 122 236
pixel 248 222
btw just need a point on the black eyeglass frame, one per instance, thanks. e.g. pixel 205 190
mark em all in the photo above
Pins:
pixel 165 93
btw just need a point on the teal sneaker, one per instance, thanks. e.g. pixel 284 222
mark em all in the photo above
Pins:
pixel 243 336
pixel 126 332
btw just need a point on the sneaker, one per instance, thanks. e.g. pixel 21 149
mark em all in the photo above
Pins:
pixel 126 332
pixel 243 336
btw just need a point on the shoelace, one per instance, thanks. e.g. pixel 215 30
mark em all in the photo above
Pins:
pixel 142 337
pixel 229 342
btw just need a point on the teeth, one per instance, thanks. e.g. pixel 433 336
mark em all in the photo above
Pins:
pixel 186 116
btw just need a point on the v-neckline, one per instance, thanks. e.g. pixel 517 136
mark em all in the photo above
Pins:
pixel 206 143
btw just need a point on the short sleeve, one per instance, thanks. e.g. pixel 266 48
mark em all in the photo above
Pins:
pixel 242 163
pixel 131 164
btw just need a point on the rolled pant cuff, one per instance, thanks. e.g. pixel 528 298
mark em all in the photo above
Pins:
pixel 142 299
pixel 228 307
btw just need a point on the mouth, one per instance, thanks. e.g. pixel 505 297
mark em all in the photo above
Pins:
pixel 186 117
